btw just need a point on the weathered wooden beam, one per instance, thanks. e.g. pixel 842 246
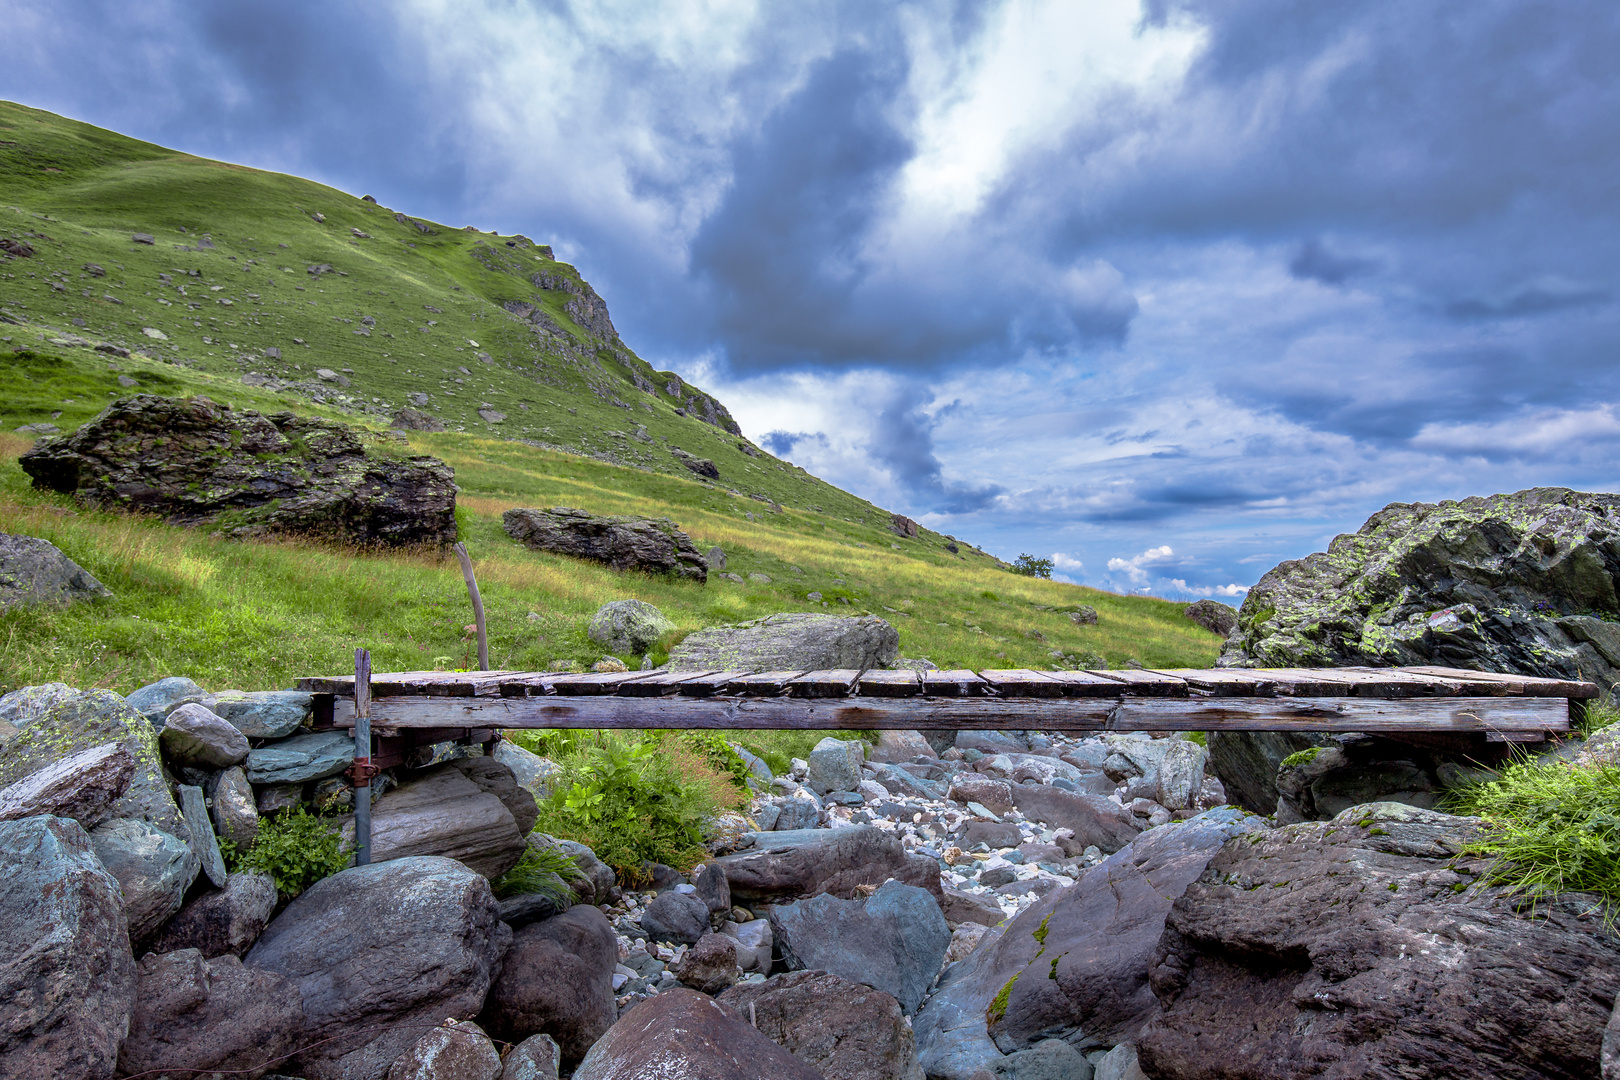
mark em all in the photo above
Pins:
pixel 1527 685
pixel 1021 682
pixel 876 683
pixel 1505 715
pixel 835 683
pixel 955 683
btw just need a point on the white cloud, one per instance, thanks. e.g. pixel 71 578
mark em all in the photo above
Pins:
pixel 1135 568
pixel 1208 590
pixel 1067 563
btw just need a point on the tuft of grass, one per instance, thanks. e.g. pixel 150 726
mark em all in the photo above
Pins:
pixel 545 870
pixel 1596 716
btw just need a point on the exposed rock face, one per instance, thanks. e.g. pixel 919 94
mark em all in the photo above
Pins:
pixel 1101 932
pixel 1346 949
pixel 194 461
pixel 455 1050
pixel 809 862
pixel 557 978
pixel 81 786
pixel 153 870
pixel 1212 615
pixel 382 945
pixel 68 978
pixel 228 921
pixel 192 1013
pixel 1247 761
pixel 894 940
pixel 34 571
pixel 683 1035
pixel 846 1030
pixel 628 627
pixel 624 543
pixel 443 812
pixel 798 640
pixel 1520 583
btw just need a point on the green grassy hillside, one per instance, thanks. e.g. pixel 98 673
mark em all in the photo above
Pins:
pixel 472 321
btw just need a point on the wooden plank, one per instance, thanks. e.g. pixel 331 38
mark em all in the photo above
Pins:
pixel 1436 714
pixel 661 684
pixel 1021 682
pixel 596 683
pixel 1307 682
pixel 876 683
pixel 1143 683
pixel 762 683
pixel 413 683
pixel 836 683
pixel 1221 682
pixel 1526 685
pixel 955 683
pixel 1089 684
pixel 705 685
pixel 1394 683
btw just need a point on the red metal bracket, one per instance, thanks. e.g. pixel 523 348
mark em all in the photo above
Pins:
pixel 362 772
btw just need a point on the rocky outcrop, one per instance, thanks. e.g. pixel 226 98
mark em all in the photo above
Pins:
pixel 654 546
pixel 844 1029
pixel 557 978
pixel 34 571
pixel 628 627
pixel 1212 615
pixel 153 870
pixel 68 979
pixel 81 786
pixel 684 1034
pixel 377 947
pixel 1516 583
pixel 795 640
pixel 1247 762
pixel 193 461
pixel 834 861
pixel 1366 947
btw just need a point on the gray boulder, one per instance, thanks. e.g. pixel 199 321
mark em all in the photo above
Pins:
pixel 755 944
pixel 443 812
pixel 835 765
pixel 654 546
pixel 455 1050
pixel 628 627
pixel 263 714
pixel 34 571
pixel 84 721
pixel 194 461
pixel 1075 964
pixel 236 816
pixel 795 813
pixel 1420 971
pixel 1212 615
pixel 496 779
pixel 1181 774
pixel 301 758
pixel 684 1035
pixel 788 865
pixel 530 770
pixel 1049 1059
pixel 991 742
pixel 1120 1063
pixel 710 965
pixel 216 923
pixel 599 873
pixel 894 940
pixel 81 786
pixel 193 1014
pixel 897 746
pixel 366 979
pixel 557 977
pixel 535 1058
pixel 798 641
pixel 204 844
pixel 846 1030
pixel 1094 819
pixel 68 979
pixel 23 706
pixel 156 701
pixel 192 735
pixel 676 916
pixel 153 870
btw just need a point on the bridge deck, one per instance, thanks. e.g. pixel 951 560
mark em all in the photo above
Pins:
pixel 1413 701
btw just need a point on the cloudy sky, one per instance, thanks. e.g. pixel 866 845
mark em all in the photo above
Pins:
pixel 1166 291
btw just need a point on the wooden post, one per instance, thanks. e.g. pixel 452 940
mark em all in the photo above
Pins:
pixel 362 771
pixel 477 601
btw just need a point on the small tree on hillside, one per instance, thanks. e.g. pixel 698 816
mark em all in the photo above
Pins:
pixel 1030 566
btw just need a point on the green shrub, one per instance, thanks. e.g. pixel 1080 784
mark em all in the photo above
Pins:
pixel 296 849
pixel 1030 566
pixel 544 870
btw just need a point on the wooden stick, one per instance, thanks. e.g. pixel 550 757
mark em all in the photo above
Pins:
pixel 477 601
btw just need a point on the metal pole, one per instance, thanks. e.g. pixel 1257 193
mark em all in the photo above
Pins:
pixel 362 771
pixel 477 602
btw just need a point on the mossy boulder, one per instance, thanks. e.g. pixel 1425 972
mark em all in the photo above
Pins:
pixel 651 545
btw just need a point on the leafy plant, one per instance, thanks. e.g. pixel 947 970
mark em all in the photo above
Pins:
pixel 296 849
pixel 1030 566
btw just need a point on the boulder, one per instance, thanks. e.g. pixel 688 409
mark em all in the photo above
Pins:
pixel 156 701
pixel 628 627
pixel 1075 963
pixel 655 546
pixel 1212 615
pixel 153 870
pixel 455 1050
pixel 377 948
pixel 1120 1063
pixel 600 875
pixel 835 765
pixel 1420 971
pixel 500 781
pixel 71 723
pixel 795 814
pixel 966 907
pixel 301 758
pixel 896 746
pixel 236 816
pixel 1049 1059
pixel 68 979
pixel 1524 583
pixel 194 1014
pixel 676 917
pixel 557 978
pixel 798 641
pixel 1094 819
pixel 530 770
pixel 710 886
pixel 204 844
pixel 34 571
pixel 81 786
pixel 894 940
pixel 992 794
pixel 193 735
pixel 684 1035
pixel 991 742
pixel 409 419
pixel 1323 781
pixel 263 714
pixel 1247 762
pixel 524 908
pixel 535 1058
pixel 846 1030
pixel 709 966
pixel 193 461
pixel 217 923
pixel 993 834
pixel 23 706
pixel 1181 774
pixel 808 862
pixel 444 812
pixel 754 944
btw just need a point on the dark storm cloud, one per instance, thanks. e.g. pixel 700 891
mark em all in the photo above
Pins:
pixel 902 441
pixel 1315 261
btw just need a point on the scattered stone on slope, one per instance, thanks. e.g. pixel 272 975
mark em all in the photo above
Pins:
pixel 34 571
pixel 1419 972
pixel 81 786
pixel 1212 615
pixel 216 923
pixel 68 979
pixel 557 977
pixel 800 641
pixel 846 1030
pixel 153 870
pixel 655 546
pixel 193 461
pixel 700 466
pixel 455 1050
pixel 443 812
pixel 414 419
pixel 684 1034
pixel 628 627
pixel 809 862
pixel 384 945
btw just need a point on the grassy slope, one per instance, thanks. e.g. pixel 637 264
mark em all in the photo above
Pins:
pixel 256 615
